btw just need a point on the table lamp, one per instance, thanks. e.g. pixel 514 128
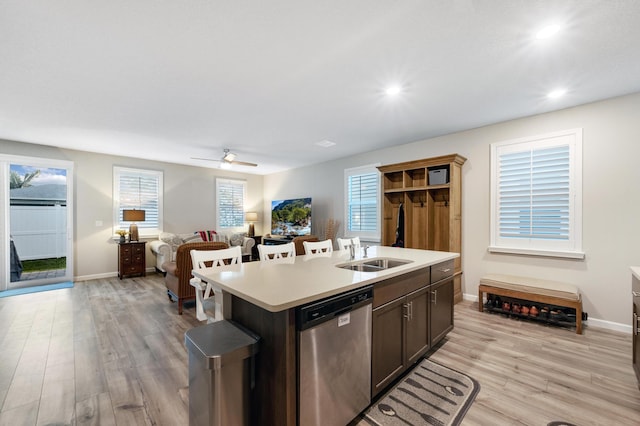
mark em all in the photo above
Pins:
pixel 251 217
pixel 133 216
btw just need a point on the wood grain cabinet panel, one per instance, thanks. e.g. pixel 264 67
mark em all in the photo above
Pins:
pixel 400 337
pixel 429 193
pixel 131 259
pixel 411 314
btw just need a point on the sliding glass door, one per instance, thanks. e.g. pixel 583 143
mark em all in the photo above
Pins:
pixel 36 238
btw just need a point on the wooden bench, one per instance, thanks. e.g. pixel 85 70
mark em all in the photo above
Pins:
pixel 534 290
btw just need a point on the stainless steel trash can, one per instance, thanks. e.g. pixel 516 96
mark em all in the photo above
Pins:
pixel 221 373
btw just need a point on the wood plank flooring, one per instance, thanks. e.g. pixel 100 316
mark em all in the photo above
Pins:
pixel 111 352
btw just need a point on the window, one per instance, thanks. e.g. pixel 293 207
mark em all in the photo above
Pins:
pixel 362 206
pixel 536 195
pixel 230 203
pixel 141 190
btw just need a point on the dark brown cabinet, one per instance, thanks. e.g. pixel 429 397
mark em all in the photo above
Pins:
pixel 440 310
pixel 417 325
pixel 441 297
pixel 131 259
pixel 387 357
pixel 411 314
pixel 400 326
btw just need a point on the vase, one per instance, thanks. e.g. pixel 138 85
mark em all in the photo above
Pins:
pixel 122 240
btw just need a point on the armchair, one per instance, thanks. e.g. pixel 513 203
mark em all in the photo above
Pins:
pixel 178 273
pixel 299 243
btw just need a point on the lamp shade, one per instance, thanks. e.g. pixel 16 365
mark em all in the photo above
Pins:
pixel 133 215
pixel 251 216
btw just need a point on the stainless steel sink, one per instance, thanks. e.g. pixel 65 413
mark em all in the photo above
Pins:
pixel 361 267
pixel 373 265
pixel 385 263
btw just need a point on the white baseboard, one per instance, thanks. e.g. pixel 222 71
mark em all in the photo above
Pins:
pixel 591 322
pixel 95 276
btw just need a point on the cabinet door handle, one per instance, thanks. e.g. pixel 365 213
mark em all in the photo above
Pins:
pixel 435 297
pixel 411 311
pixel 445 270
pixel 635 324
pixel 406 311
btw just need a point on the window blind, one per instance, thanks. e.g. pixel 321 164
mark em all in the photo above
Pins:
pixel 230 194
pixel 362 200
pixel 534 194
pixel 141 190
pixel 140 193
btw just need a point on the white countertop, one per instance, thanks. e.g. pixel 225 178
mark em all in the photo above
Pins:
pixel 635 270
pixel 280 286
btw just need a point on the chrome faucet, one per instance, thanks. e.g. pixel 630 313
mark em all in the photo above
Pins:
pixel 365 248
pixel 352 250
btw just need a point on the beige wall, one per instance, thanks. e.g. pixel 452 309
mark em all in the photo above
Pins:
pixel 611 133
pixel 611 223
pixel 189 202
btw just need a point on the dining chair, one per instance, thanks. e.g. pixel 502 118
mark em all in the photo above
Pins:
pixel 344 243
pixel 318 247
pixel 208 296
pixel 276 252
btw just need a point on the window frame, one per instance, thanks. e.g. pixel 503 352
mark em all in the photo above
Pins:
pixel 225 180
pixel 144 231
pixel 372 236
pixel 572 246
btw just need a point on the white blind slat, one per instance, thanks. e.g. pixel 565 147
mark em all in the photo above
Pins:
pixel 230 195
pixel 362 199
pixel 534 193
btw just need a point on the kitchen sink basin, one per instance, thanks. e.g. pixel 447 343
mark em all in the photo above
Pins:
pixel 361 267
pixel 384 263
pixel 373 265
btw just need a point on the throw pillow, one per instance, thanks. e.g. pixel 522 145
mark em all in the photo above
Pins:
pixel 236 239
pixel 207 235
pixel 194 238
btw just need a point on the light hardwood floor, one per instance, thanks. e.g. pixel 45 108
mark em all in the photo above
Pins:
pixel 112 352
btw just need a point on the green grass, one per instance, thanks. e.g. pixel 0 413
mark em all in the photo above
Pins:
pixel 44 264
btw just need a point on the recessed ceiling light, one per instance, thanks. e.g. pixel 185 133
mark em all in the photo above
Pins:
pixel 556 93
pixel 325 143
pixel 393 90
pixel 548 31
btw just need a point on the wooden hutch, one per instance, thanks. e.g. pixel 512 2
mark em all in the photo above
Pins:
pixel 430 191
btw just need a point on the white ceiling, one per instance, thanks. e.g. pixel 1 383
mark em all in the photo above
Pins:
pixel 169 80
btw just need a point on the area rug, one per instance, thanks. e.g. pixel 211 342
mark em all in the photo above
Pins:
pixel 36 289
pixel 431 394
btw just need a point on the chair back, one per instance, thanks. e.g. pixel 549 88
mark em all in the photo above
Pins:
pixel 203 259
pixel 317 248
pixel 277 251
pixel 299 242
pixel 345 243
pixel 209 305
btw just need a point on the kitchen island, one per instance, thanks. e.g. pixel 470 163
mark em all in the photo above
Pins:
pixel 263 296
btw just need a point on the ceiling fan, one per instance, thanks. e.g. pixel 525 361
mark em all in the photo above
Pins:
pixel 227 159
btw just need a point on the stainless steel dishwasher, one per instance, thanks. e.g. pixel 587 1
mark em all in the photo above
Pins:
pixel 334 358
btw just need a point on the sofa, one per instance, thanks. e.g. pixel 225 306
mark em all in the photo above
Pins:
pixel 178 271
pixel 166 246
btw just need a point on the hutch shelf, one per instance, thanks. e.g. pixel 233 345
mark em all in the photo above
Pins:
pixel 430 193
